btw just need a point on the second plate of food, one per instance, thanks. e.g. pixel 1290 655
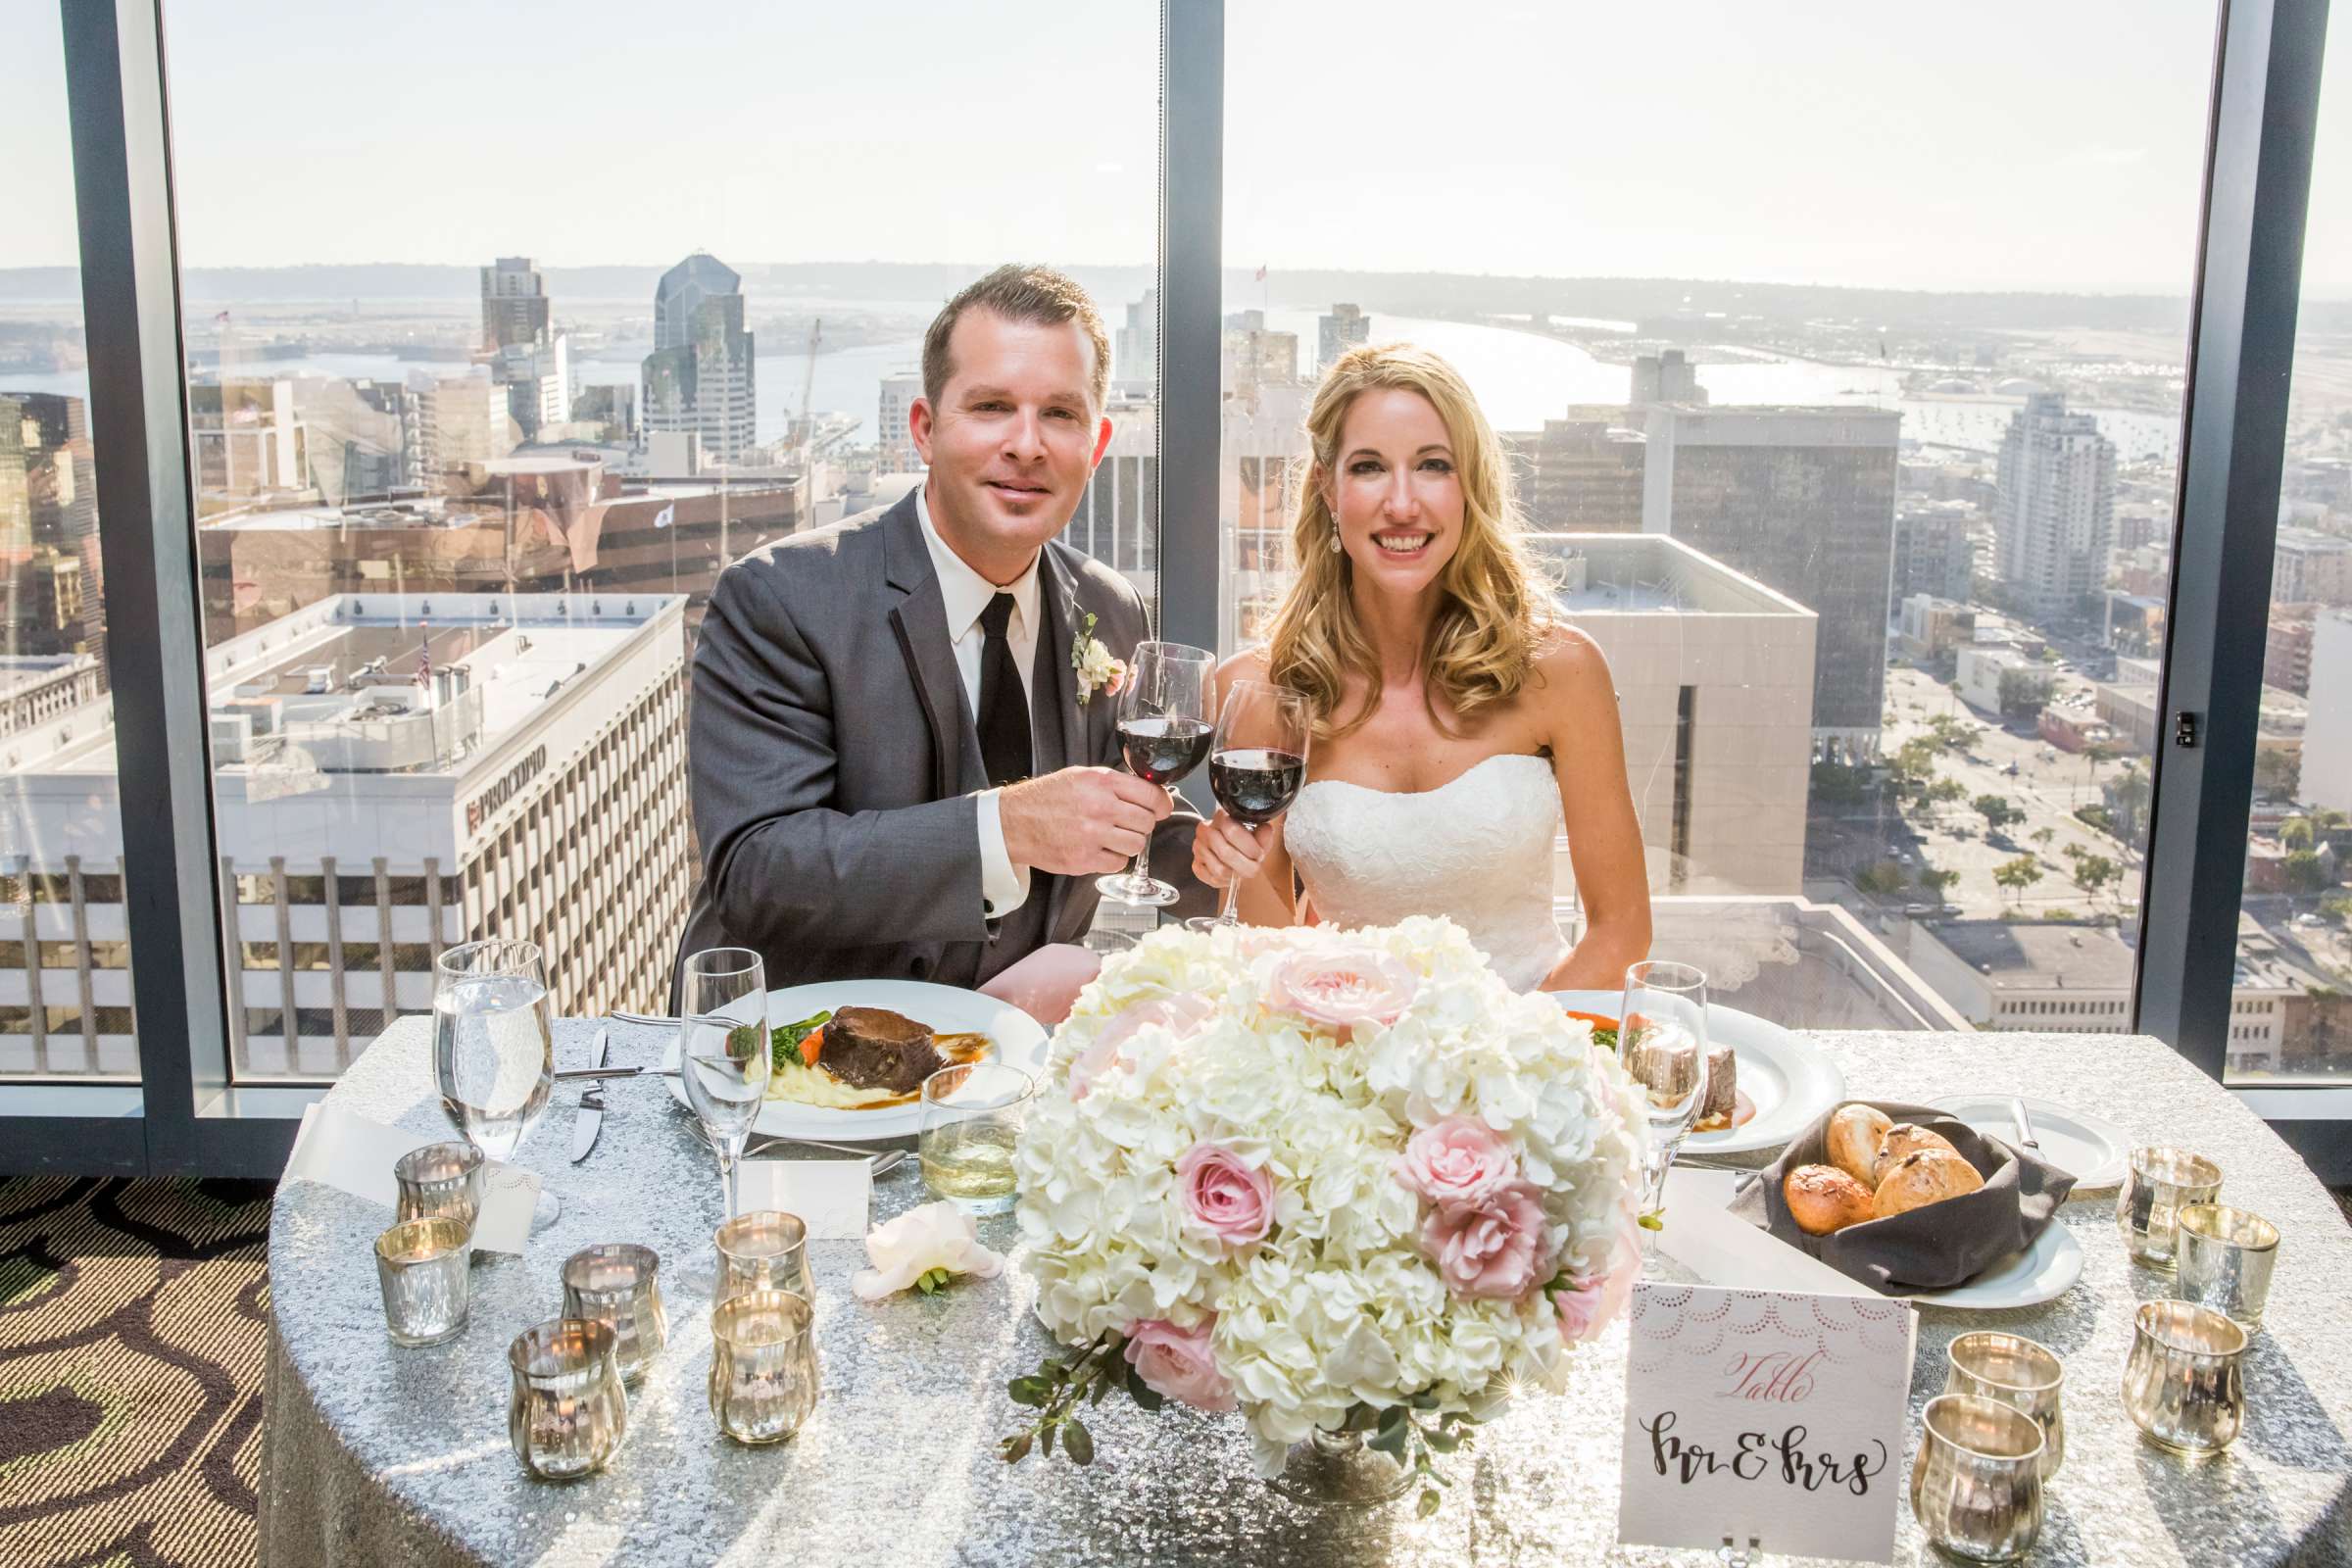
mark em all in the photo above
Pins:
pixel 879 1060
pixel 1786 1082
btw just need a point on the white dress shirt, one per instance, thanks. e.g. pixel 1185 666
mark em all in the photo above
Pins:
pixel 1004 886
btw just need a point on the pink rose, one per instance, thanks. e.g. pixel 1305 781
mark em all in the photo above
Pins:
pixel 1115 679
pixel 1488 1252
pixel 1175 1362
pixel 1344 989
pixel 1458 1162
pixel 1224 1195
pixel 1181 1015
pixel 1587 1307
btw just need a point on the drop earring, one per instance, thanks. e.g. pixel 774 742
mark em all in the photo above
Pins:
pixel 1335 546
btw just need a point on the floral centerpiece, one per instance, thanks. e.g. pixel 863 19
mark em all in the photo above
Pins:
pixel 1343 1182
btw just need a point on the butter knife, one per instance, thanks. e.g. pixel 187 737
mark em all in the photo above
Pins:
pixel 2025 1124
pixel 589 1119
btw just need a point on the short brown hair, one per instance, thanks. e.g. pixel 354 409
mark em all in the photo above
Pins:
pixel 1017 292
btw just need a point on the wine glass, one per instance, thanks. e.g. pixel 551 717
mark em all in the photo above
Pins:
pixel 494 1055
pixel 1662 1040
pixel 723 1066
pixel 1256 766
pixel 1165 732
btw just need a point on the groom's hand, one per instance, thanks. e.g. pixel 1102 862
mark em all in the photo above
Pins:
pixel 1081 822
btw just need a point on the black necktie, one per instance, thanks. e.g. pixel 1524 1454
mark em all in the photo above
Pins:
pixel 1004 708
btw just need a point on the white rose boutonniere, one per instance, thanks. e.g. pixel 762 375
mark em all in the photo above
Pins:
pixel 1096 670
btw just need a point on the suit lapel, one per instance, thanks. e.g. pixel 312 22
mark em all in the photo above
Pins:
pixel 920 620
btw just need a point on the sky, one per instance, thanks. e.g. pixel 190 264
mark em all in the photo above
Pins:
pixel 2005 144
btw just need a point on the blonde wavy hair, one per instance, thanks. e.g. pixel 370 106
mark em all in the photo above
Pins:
pixel 1493 612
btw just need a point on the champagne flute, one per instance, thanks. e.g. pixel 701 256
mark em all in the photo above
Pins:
pixel 1165 731
pixel 1662 1040
pixel 723 1066
pixel 1256 766
pixel 494 1054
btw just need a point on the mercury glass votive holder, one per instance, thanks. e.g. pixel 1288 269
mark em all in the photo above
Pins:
pixel 441 1178
pixel 2182 1384
pixel 619 1286
pixel 764 1378
pixel 2018 1372
pixel 420 1263
pixel 567 1410
pixel 2158 1183
pixel 1976 1485
pixel 764 1250
pixel 2226 1260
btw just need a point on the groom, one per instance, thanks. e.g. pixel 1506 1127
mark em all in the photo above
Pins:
pixel 901 764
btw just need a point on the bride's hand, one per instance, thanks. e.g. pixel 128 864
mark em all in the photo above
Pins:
pixel 1224 851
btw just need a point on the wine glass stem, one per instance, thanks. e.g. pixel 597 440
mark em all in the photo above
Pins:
pixel 1141 872
pixel 1233 897
pixel 730 1167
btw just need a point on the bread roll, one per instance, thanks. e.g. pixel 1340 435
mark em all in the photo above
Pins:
pixel 1823 1198
pixel 1902 1139
pixel 1854 1135
pixel 1922 1177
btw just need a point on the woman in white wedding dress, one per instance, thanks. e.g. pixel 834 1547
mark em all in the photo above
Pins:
pixel 1457 722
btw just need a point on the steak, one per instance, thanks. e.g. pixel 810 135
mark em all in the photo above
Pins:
pixel 873 1048
pixel 1723 1087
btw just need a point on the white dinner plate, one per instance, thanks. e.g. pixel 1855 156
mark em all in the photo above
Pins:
pixel 1789 1081
pixel 1021 1042
pixel 2089 1148
pixel 2040 1273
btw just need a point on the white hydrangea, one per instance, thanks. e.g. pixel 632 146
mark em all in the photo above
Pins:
pixel 1337 1305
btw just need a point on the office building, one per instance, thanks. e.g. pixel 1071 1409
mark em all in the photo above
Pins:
pixel 699 378
pixel 1252 358
pixel 1135 347
pixel 892 431
pixel 363 438
pixel 250 442
pixel 2286 647
pixel 2311 568
pixel 1117 520
pixel 1346 327
pixel 514 305
pixel 1931 628
pixel 2001 682
pixel 1666 378
pixel 537 377
pixel 1801 500
pixel 2328 736
pixel 2054 525
pixel 1259 436
pixel 49 529
pixel 462 422
pixel 1934 554
pixel 393 775
pixel 1581 475
pixel 1715 688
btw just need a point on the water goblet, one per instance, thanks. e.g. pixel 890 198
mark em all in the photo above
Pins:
pixel 494 1054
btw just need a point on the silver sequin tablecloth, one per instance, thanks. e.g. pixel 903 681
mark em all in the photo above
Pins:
pixel 372 1454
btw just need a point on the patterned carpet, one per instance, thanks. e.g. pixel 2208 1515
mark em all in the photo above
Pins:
pixel 131 1321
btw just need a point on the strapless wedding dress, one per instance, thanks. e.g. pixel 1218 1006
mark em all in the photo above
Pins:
pixel 1477 849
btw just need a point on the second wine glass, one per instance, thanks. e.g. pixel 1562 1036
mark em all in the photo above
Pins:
pixel 1165 731
pixel 1662 1040
pixel 1256 766
pixel 723 1064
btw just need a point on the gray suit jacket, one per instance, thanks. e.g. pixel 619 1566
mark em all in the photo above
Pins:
pixel 835 769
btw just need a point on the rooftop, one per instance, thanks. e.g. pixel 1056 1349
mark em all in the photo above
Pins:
pixel 1644 573
pixel 2037 954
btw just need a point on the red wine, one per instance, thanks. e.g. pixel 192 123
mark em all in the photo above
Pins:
pixel 1161 751
pixel 1255 786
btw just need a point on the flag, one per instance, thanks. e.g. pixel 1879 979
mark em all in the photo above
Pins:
pixel 221 319
pixel 1261 275
pixel 424 663
pixel 666 515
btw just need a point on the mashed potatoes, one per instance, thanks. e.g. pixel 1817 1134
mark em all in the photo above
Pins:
pixel 813 1086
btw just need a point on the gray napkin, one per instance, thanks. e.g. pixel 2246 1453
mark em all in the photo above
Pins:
pixel 1928 1249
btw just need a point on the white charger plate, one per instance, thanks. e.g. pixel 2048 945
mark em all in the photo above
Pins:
pixel 2090 1148
pixel 2040 1273
pixel 1021 1042
pixel 1789 1081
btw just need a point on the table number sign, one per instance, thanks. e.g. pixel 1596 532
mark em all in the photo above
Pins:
pixel 1770 1416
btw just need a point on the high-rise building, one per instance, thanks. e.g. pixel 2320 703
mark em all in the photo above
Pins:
pixel 462 421
pixel 250 442
pixel 55 576
pixel 1801 500
pixel 1135 347
pixel 1932 551
pixel 699 378
pixel 1581 474
pixel 1666 378
pixel 1345 328
pixel 2311 568
pixel 2327 732
pixel 899 389
pixel 1252 357
pixel 537 377
pixel 1117 520
pixel 364 438
pixel 2054 527
pixel 514 305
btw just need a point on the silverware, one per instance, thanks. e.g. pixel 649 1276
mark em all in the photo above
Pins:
pixel 648 1020
pixel 589 1119
pixel 587 1074
pixel 886 1159
pixel 2025 1124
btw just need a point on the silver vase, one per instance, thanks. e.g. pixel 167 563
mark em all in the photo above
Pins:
pixel 1338 1470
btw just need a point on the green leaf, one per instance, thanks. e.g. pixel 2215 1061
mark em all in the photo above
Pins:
pixel 1078 1442
pixel 1440 1441
pixel 1045 1442
pixel 1426 1399
pixel 1016 1448
pixel 1393 1419
pixel 1100 1388
pixel 1031 1391
pixel 1427 1505
pixel 1141 1393
pixel 1655 1220
pixel 1389 1441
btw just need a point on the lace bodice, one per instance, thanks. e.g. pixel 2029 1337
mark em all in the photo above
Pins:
pixel 1477 849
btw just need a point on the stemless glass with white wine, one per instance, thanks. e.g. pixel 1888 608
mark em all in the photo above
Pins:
pixel 494 1054
pixel 970 1121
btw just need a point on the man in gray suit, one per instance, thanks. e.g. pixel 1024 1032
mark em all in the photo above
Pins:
pixel 899 769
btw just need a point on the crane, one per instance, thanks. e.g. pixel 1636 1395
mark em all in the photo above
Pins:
pixel 807 427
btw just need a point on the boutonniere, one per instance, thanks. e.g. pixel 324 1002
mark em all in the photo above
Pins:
pixel 1096 670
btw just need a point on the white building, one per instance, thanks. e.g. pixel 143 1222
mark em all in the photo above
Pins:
pixel 2311 568
pixel 2327 731
pixel 393 775
pixel 2054 527
pixel 1981 674
pixel 462 420
pixel 1135 352
pixel 899 389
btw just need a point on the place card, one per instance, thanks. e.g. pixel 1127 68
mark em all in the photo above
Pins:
pixel 1774 1416
pixel 1718 1247
pixel 831 1197
pixel 356 1155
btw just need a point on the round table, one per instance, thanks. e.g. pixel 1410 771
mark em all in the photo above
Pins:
pixel 383 1456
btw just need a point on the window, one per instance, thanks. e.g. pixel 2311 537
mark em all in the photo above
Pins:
pixel 1871 522
pixel 456 449
pixel 65 1015
pixel 2294 961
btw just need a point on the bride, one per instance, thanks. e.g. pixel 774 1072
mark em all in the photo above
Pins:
pixel 1457 722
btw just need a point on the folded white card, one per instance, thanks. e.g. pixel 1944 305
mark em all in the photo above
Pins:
pixel 356 1155
pixel 830 1196
pixel 1720 1248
